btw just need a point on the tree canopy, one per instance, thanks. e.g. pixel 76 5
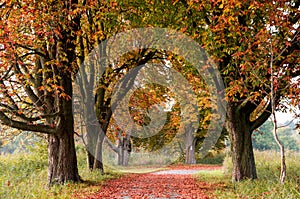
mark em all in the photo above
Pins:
pixel 43 44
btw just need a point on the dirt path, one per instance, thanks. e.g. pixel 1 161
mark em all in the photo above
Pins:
pixel 176 182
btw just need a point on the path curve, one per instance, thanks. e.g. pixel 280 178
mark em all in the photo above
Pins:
pixel 174 183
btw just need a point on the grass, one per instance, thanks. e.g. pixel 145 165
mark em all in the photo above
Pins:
pixel 24 175
pixel 266 186
pixel 138 169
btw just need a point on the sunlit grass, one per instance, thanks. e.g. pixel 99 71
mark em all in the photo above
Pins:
pixel 138 169
pixel 24 175
pixel 266 186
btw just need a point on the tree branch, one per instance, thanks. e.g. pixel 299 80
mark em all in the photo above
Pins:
pixel 31 49
pixel 111 145
pixel 26 126
pixel 261 119
pixel 34 98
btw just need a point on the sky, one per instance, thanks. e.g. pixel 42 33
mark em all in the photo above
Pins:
pixel 284 118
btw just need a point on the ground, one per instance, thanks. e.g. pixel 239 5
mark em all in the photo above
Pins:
pixel 175 182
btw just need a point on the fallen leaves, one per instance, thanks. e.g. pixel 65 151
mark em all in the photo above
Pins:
pixel 155 186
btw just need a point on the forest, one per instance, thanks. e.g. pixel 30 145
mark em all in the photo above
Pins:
pixel 95 90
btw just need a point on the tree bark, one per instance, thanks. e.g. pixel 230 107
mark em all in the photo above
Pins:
pixel 282 151
pixel 62 159
pixel 189 145
pixel 120 149
pixel 53 151
pixel 241 144
pixel 101 131
pixel 126 149
pixel 98 161
pixel 190 155
pixel 91 139
pixel 89 160
pixel 61 145
pixel 275 127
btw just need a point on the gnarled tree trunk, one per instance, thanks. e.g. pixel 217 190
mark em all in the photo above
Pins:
pixel 62 159
pixel 241 144
pixel 61 145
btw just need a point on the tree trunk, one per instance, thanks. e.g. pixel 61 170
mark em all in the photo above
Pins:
pixel 89 160
pixel 62 159
pixel 273 104
pixel 120 156
pixel 53 152
pixel 125 158
pixel 189 145
pixel 61 145
pixel 120 149
pixel 190 155
pixel 90 142
pixel 98 162
pixel 124 148
pixel 282 152
pixel 94 138
pixel 243 161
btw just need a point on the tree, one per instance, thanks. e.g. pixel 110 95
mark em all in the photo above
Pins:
pixel 38 59
pixel 107 80
pixel 151 94
pixel 275 37
pixel 38 62
pixel 263 139
pixel 99 22
pixel 236 34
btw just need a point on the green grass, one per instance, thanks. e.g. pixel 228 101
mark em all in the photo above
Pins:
pixel 138 169
pixel 24 175
pixel 266 186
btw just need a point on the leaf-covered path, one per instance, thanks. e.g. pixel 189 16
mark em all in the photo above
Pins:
pixel 174 183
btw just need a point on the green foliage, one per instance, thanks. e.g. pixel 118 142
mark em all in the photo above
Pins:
pixel 212 158
pixel 267 186
pixel 18 143
pixel 264 139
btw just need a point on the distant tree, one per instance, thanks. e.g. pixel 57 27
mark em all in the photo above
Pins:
pixel 263 138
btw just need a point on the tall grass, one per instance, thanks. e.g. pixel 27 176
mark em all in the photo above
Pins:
pixel 266 186
pixel 24 175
